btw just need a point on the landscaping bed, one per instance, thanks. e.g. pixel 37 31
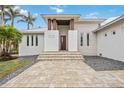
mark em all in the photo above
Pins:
pixel 6 67
pixel 103 64
pixel 12 67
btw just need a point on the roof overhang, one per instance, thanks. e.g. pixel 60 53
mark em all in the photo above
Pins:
pixel 110 23
pixel 34 31
pixel 61 16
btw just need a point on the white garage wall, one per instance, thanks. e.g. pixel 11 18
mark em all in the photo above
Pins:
pixel 111 46
pixel 25 50
pixel 85 28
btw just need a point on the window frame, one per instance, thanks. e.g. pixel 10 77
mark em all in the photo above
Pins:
pixel 27 40
pixel 81 39
pixel 32 40
pixel 88 39
pixel 36 40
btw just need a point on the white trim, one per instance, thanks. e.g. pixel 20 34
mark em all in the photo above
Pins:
pixel 110 23
pixel 34 31
pixel 91 20
pixel 61 17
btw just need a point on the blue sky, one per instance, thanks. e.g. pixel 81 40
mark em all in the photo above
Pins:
pixel 91 11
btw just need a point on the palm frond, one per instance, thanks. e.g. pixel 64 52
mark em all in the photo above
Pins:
pixel 21 20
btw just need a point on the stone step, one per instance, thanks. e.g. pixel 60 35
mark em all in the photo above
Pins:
pixel 59 58
pixel 52 56
pixel 54 59
pixel 60 53
pixel 49 56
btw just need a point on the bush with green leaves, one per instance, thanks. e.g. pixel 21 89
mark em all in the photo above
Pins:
pixel 9 36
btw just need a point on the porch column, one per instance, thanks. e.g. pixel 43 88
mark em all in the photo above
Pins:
pixel 72 24
pixel 54 24
pixel 49 24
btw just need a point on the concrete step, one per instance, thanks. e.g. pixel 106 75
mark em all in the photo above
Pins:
pixel 57 59
pixel 69 56
pixel 52 56
pixel 60 53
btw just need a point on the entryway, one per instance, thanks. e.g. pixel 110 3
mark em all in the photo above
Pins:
pixel 63 42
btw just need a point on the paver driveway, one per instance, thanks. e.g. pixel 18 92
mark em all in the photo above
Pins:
pixel 69 73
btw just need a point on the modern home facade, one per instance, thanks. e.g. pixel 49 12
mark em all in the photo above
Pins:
pixel 70 33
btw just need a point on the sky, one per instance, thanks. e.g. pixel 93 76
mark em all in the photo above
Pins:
pixel 91 11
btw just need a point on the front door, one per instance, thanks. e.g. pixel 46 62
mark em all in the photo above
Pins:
pixel 63 42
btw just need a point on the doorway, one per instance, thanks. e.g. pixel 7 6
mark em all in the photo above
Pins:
pixel 63 42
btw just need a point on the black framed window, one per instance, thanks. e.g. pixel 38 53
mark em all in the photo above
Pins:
pixel 27 40
pixel 81 42
pixel 32 40
pixel 87 39
pixel 36 40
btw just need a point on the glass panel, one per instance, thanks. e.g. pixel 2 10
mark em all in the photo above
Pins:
pixel 32 40
pixel 27 40
pixel 87 39
pixel 36 40
pixel 81 42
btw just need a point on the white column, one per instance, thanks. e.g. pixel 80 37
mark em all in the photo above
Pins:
pixel 51 40
pixel 73 40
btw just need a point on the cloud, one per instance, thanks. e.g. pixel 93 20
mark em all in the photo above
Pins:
pixel 92 15
pixel 57 9
pixel 35 15
pixel 23 12
pixel 17 8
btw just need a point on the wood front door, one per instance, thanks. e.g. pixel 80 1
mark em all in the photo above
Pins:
pixel 63 42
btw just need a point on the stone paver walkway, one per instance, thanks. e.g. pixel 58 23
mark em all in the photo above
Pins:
pixel 68 73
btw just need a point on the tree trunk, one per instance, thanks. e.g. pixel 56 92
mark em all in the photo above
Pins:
pixel 28 26
pixel 4 50
pixel 12 21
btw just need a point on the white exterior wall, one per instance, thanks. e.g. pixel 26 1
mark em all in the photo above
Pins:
pixel 85 28
pixel 51 40
pixel 72 40
pixel 111 46
pixel 25 50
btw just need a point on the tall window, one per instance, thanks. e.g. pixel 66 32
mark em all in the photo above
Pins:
pixel 36 40
pixel 27 40
pixel 87 39
pixel 32 40
pixel 81 42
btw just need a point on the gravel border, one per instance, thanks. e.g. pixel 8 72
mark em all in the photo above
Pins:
pixel 103 64
pixel 32 59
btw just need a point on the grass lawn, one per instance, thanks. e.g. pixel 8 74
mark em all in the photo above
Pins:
pixel 6 67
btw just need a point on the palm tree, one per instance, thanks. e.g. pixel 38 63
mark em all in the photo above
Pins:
pixel 3 12
pixel 13 13
pixel 29 19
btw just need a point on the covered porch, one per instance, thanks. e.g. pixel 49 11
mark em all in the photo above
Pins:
pixel 61 33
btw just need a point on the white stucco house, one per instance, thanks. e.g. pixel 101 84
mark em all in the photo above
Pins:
pixel 92 37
